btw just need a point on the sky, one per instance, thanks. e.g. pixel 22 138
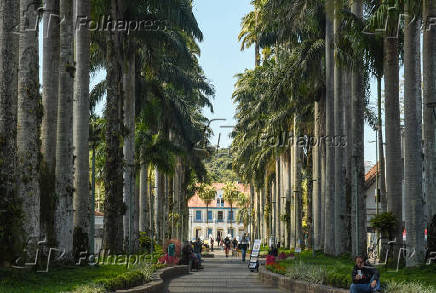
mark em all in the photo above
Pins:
pixel 221 59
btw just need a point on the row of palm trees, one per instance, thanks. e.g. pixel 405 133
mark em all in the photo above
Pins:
pixel 154 93
pixel 301 115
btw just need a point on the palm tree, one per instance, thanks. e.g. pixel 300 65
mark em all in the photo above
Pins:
pixel 429 96
pixel 329 245
pixel 207 194
pixel 414 216
pixel 298 190
pixel 357 166
pixel 244 212
pixel 50 92
pixel 64 144
pixel 113 221
pixel 394 166
pixel 81 132
pixel 10 209
pixel 27 120
pixel 231 194
pixel 339 174
pixel 316 175
pixel 129 143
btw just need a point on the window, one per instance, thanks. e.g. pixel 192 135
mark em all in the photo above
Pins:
pixel 198 215
pixel 209 215
pixel 209 232
pixel 230 231
pixel 220 216
pixel 220 200
pixel 230 218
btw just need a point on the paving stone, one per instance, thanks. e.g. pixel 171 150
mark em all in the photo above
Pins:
pixel 221 275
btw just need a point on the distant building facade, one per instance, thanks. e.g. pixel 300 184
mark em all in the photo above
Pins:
pixel 220 220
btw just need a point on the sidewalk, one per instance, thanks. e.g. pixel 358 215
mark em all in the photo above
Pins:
pixel 221 275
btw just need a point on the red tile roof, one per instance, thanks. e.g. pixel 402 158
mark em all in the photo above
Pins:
pixel 370 176
pixel 97 213
pixel 196 202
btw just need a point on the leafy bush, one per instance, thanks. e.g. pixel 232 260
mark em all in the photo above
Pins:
pixel 145 242
pixel 276 268
pixel 385 223
pixel 305 272
pixel 413 287
pixel 89 289
pixel 337 280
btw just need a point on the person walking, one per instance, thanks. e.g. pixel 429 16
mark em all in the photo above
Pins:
pixel 227 244
pixel 218 240
pixel 244 246
pixel 235 243
pixel 211 243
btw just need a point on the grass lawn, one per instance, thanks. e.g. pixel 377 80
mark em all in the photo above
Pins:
pixel 62 279
pixel 57 279
pixel 339 270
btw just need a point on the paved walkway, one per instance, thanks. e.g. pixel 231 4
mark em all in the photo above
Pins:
pixel 221 275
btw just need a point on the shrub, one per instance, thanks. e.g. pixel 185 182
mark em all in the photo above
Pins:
pixel 277 268
pixel 413 287
pixel 337 280
pixel 89 289
pixel 270 259
pixel 310 273
pixel 385 223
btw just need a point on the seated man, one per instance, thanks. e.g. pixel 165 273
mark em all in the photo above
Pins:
pixel 365 278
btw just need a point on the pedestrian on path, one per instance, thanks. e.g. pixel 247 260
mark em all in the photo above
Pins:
pixel 235 243
pixel 227 244
pixel 211 243
pixel 244 246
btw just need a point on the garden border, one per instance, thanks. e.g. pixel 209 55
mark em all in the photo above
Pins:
pixel 158 282
pixel 296 286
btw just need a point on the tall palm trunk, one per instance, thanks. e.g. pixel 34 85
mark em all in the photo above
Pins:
pixel 81 131
pixel 394 166
pixel 64 144
pixel 293 192
pixel 298 204
pixel 322 152
pixel 9 213
pixel 144 222
pixel 158 205
pixel 250 213
pixel 129 144
pixel 277 199
pixel 113 177
pixel 329 247
pixel 347 142
pixel 381 153
pixel 414 216
pixel 358 170
pixel 50 92
pixel 429 91
pixel 316 177
pixel 27 120
pixel 339 178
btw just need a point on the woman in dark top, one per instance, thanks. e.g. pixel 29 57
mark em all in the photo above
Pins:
pixel 227 244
